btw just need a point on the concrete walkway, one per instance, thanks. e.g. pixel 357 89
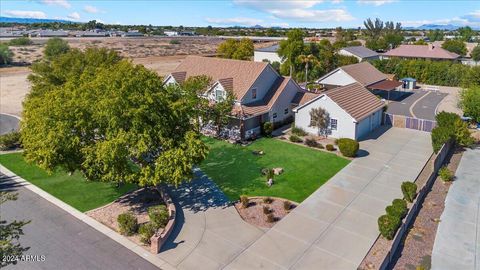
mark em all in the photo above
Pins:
pixel 457 243
pixel 65 241
pixel 208 232
pixel 335 227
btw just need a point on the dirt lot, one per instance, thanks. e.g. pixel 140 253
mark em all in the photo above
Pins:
pixel 13 88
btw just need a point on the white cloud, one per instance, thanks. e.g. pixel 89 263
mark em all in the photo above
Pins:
pixel 74 16
pixel 337 1
pixel 240 21
pixel 475 14
pixel 303 11
pixel 61 3
pixel 91 9
pixel 375 2
pixel 25 14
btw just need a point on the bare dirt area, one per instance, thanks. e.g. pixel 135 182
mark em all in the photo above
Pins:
pixel 13 88
pixel 136 202
pixel 254 214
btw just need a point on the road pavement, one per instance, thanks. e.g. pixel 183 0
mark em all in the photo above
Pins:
pixel 8 124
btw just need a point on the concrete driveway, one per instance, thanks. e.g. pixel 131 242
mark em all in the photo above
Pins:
pixel 457 243
pixel 208 232
pixel 65 241
pixel 419 104
pixel 335 227
pixel 8 123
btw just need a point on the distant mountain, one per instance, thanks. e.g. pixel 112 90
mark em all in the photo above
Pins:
pixel 448 27
pixel 29 20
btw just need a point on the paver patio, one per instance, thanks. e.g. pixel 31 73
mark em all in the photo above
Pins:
pixel 457 243
pixel 335 227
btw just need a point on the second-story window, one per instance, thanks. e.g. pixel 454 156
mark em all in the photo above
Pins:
pixel 254 93
pixel 219 95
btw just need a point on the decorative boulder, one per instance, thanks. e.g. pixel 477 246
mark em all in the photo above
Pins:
pixel 258 152
pixel 277 171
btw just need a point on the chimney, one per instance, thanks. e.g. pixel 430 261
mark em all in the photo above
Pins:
pixel 431 46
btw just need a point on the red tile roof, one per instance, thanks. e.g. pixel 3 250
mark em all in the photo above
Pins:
pixel 421 51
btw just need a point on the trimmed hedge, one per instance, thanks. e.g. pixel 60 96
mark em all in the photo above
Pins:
pixel 146 232
pixel 127 223
pixel 409 190
pixel 398 208
pixel 348 147
pixel 388 226
pixel 330 147
pixel 158 216
pixel 295 138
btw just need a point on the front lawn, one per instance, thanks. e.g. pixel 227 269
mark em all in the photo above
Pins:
pixel 74 190
pixel 236 170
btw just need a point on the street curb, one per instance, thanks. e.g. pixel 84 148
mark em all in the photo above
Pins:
pixel 90 221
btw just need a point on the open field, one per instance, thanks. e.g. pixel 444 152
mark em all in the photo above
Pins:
pixel 236 170
pixel 74 190
pixel 13 88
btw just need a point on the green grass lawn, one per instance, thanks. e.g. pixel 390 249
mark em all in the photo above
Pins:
pixel 237 171
pixel 74 190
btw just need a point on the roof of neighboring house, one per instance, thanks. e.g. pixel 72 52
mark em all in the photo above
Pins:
pixel 361 51
pixel 354 99
pixel 422 51
pixel 242 73
pixel 386 85
pixel 273 48
pixel 364 73
pixel 304 97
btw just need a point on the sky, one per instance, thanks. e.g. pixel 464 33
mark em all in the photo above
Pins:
pixel 280 13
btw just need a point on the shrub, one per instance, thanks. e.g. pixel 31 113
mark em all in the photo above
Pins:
pixel 9 140
pixel 287 205
pixel 398 208
pixel 244 200
pixel 295 138
pixel 21 41
pixel 266 210
pixel 409 190
pixel 158 216
pixel 146 232
pixel 330 147
pixel 298 131
pixel 440 135
pixel 270 218
pixel 267 129
pixel 320 146
pixel 311 142
pixel 268 200
pixel 388 226
pixel 127 223
pixel 348 147
pixel 174 41
pixel 445 174
pixel 55 47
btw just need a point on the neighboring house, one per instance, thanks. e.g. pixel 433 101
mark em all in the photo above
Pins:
pixel 430 52
pixel 363 73
pixel 268 53
pixel 261 94
pixel 354 111
pixel 49 33
pixel 360 52
pixel 132 34
pixel 170 33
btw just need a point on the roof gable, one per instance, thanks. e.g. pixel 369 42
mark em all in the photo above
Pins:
pixel 364 73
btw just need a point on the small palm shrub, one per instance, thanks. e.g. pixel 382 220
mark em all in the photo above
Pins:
pixel 158 216
pixel 287 205
pixel 146 232
pixel 330 147
pixel 298 131
pixel 295 138
pixel 311 142
pixel 348 147
pixel 445 174
pixel 127 223
pixel 388 226
pixel 398 208
pixel 409 190
pixel 270 218
pixel 267 200
pixel 244 201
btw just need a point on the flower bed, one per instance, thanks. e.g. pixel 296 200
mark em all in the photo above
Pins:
pixel 255 215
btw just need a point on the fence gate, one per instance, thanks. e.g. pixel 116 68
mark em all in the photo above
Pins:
pixel 402 121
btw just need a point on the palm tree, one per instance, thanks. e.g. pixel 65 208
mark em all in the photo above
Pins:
pixel 307 59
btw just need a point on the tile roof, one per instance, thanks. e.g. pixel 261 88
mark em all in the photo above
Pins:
pixel 361 51
pixel 243 73
pixel 386 85
pixel 227 83
pixel 304 97
pixel 356 100
pixel 364 73
pixel 422 51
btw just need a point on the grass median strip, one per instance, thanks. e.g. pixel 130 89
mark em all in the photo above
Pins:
pixel 74 190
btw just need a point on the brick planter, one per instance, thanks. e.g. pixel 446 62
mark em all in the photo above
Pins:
pixel 160 237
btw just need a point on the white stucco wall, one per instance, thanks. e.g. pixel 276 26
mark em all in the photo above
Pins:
pixel 345 123
pixel 169 80
pixel 283 102
pixel 367 125
pixel 338 77
pixel 271 56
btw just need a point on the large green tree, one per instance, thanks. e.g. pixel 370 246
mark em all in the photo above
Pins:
pixel 95 112
pixel 435 35
pixel 470 102
pixel 466 33
pixel 290 49
pixel 456 46
pixel 236 49
pixel 5 54
pixel 55 47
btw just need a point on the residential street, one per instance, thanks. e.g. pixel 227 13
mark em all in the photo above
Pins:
pixel 65 241
pixel 8 124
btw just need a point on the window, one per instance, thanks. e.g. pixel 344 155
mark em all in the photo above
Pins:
pixel 254 93
pixel 333 124
pixel 274 115
pixel 286 111
pixel 219 95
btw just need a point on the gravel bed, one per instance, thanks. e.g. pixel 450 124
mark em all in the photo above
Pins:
pixel 254 215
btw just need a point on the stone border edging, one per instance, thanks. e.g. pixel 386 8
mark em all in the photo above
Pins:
pixel 158 239
pixel 89 221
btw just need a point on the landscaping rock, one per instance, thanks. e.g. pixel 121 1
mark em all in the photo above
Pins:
pixel 258 152
pixel 277 171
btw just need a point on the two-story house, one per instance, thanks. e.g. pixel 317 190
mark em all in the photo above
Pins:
pixel 261 94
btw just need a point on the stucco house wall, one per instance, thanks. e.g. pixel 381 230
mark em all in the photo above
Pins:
pixel 270 56
pixel 283 102
pixel 338 77
pixel 262 84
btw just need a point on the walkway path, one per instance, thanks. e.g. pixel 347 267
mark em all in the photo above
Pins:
pixel 65 241
pixel 208 232
pixel 335 227
pixel 457 243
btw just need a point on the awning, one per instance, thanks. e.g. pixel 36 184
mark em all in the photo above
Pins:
pixel 385 85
